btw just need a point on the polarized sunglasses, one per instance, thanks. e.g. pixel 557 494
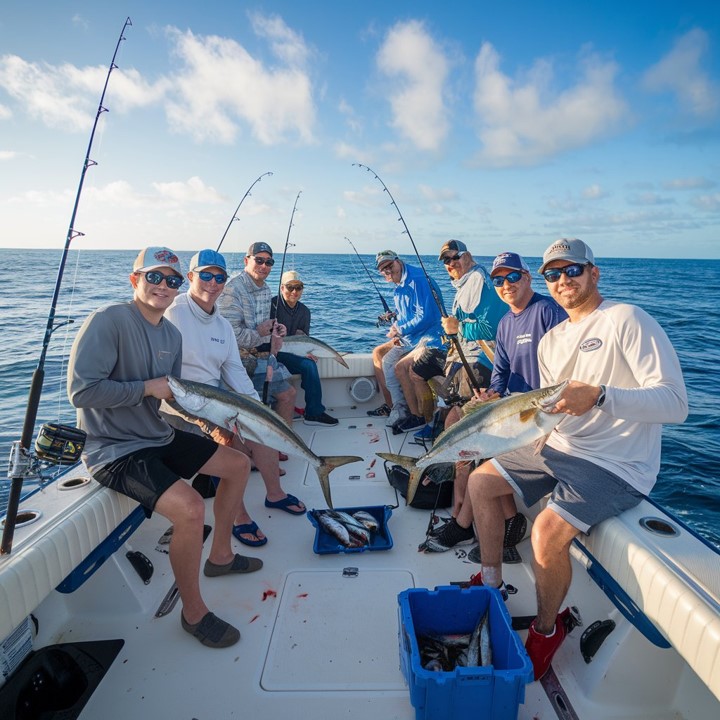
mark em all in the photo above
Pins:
pixel 207 276
pixel 264 261
pixel 572 271
pixel 451 258
pixel 385 269
pixel 511 277
pixel 155 278
pixel 294 288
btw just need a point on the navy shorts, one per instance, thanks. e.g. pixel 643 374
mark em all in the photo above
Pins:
pixel 582 493
pixel 146 474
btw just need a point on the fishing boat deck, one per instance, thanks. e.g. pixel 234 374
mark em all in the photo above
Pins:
pixel 315 640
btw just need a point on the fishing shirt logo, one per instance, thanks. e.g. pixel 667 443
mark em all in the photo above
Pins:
pixel 591 344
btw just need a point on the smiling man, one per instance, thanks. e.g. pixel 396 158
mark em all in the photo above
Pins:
pixel 603 457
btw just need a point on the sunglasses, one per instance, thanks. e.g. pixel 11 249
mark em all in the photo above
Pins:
pixel 451 258
pixel 155 278
pixel 572 271
pixel 511 277
pixel 386 268
pixel 264 261
pixel 294 288
pixel 207 276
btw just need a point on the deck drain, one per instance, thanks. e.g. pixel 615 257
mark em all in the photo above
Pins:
pixel 658 526
pixel 25 517
pixel 73 483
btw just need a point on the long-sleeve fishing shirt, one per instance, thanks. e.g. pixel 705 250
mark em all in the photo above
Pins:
pixel 418 315
pixel 245 305
pixel 293 318
pixel 622 347
pixel 114 353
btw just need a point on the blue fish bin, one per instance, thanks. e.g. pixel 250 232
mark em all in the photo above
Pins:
pixel 489 692
pixel 380 540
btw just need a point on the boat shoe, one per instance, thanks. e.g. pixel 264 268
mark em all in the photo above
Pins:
pixel 211 631
pixel 239 564
pixel 541 648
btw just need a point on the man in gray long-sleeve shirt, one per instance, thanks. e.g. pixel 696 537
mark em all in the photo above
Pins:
pixel 117 376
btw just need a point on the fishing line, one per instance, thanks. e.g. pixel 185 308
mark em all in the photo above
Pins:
pixel 19 465
pixel 389 314
pixel 453 338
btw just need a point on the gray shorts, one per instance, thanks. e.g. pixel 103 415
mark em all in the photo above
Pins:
pixel 582 493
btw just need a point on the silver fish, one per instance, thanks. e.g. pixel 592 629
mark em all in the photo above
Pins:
pixel 356 529
pixel 479 651
pixel 367 520
pixel 490 429
pixel 251 419
pixel 304 344
pixel 333 527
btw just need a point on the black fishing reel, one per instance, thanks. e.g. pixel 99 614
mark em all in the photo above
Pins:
pixel 59 444
pixel 386 319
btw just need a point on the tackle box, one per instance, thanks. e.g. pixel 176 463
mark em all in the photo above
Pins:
pixel 489 692
pixel 380 540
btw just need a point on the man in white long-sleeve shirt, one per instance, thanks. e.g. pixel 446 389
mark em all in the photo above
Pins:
pixel 211 356
pixel 604 457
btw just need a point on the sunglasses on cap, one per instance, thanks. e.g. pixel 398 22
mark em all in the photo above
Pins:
pixel 207 276
pixel 155 278
pixel 294 288
pixel 447 259
pixel 572 271
pixel 264 261
pixel 511 277
pixel 385 269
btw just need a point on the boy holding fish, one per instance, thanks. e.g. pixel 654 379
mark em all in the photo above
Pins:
pixel 622 380
pixel 117 377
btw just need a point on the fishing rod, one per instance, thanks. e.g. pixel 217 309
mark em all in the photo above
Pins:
pixel 273 313
pixel 237 209
pixel 389 314
pixel 453 338
pixel 21 464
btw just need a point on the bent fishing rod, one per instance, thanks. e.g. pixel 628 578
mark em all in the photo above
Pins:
pixel 453 338
pixel 237 209
pixel 273 313
pixel 20 459
pixel 389 314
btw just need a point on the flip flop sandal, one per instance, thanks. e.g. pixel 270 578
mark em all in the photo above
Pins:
pixel 239 564
pixel 250 528
pixel 285 504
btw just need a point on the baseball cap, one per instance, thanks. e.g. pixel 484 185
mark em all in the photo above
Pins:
pixel 152 258
pixel 385 256
pixel 570 249
pixel 259 247
pixel 456 245
pixel 290 276
pixel 509 260
pixel 205 259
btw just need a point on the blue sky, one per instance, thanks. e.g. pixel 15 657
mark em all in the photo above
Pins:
pixel 505 125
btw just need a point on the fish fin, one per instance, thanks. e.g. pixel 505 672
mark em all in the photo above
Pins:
pixel 327 464
pixel 526 415
pixel 403 460
pixel 540 444
pixel 341 360
pixel 413 482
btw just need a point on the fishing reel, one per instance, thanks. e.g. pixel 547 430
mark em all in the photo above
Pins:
pixel 55 445
pixel 386 319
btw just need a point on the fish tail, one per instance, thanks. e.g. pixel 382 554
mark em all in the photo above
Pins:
pixel 409 464
pixel 327 464
pixel 341 360
pixel 403 460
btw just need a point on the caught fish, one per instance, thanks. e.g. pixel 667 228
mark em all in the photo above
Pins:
pixel 479 651
pixel 304 344
pixel 367 520
pixel 356 529
pixel 333 527
pixel 252 420
pixel 490 429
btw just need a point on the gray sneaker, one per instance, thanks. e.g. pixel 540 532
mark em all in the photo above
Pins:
pixel 398 412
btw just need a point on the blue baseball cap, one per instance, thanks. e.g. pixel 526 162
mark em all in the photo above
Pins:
pixel 510 261
pixel 205 259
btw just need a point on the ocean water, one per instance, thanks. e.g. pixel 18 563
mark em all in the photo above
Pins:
pixel 681 295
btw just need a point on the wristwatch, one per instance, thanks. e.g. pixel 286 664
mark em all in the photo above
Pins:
pixel 601 397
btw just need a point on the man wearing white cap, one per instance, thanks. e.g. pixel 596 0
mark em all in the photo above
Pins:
pixel 295 316
pixel 211 356
pixel 117 377
pixel 604 455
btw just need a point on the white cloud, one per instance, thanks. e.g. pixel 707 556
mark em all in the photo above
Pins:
pixel 679 72
pixel 220 84
pixel 594 192
pixel 194 190
pixel 690 183
pixel 5 112
pixel 7 155
pixel 524 123
pixel 65 96
pixel 649 198
pixel 438 194
pixel 410 54
pixel 710 203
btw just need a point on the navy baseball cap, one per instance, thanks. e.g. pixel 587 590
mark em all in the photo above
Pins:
pixel 259 247
pixel 510 261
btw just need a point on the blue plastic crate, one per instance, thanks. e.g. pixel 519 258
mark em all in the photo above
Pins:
pixel 493 692
pixel 380 540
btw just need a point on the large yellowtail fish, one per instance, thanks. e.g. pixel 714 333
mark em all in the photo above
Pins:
pixel 488 430
pixel 252 420
pixel 304 344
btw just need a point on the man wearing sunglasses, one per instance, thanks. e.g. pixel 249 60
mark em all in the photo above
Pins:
pixel 295 316
pixel 211 356
pixel 117 377
pixel 603 458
